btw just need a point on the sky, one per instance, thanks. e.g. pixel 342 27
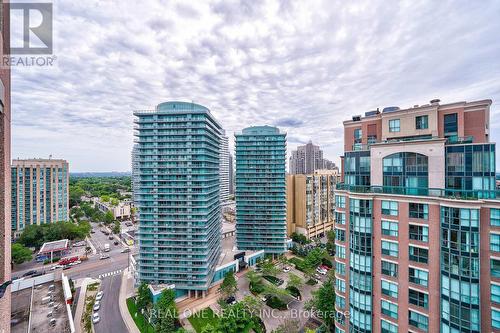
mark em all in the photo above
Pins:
pixel 304 66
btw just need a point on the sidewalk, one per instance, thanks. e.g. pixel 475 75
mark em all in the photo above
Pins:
pixel 126 291
pixel 81 303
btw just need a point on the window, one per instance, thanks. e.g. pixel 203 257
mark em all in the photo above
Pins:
pixel 418 298
pixel 419 232
pixel 340 284
pixel 340 251
pixel 422 122
pixel 419 211
pixel 418 276
pixel 389 228
pixel 340 235
pixel 495 242
pixel 495 318
pixel 495 293
pixel 389 289
pixel 388 327
pixel 390 248
pixel 418 320
pixel 495 217
pixel 394 125
pixel 450 124
pixel 419 255
pixel 495 268
pixel 358 134
pixel 391 269
pixel 340 201
pixel 339 268
pixel 390 208
pixel 340 301
pixel 340 218
pixel 389 309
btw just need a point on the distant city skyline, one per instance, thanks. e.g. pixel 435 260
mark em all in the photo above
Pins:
pixel 302 66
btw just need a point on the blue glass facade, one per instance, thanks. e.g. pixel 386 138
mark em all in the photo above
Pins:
pixel 176 182
pixel 261 189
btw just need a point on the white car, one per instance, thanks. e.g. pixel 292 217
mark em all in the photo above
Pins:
pixel 56 267
pixel 99 295
pixel 286 269
pixel 97 305
pixel 95 318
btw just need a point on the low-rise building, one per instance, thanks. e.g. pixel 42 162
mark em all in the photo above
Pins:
pixel 121 210
pixel 311 203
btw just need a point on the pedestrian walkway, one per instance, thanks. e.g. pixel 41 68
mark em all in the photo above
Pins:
pixel 81 302
pixel 110 273
pixel 127 290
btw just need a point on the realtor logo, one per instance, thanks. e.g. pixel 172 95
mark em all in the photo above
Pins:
pixel 31 28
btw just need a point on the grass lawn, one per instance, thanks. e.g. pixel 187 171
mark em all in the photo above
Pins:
pixel 139 320
pixel 200 319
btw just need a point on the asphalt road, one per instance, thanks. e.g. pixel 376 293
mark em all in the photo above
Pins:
pixel 111 319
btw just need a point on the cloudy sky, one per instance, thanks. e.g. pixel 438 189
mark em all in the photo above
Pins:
pixel 301 65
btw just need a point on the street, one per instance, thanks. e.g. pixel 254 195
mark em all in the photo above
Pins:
pixel 111 319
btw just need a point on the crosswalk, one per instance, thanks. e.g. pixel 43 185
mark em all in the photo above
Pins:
pixel 110 273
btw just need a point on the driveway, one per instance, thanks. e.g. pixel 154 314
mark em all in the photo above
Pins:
pixel 111 319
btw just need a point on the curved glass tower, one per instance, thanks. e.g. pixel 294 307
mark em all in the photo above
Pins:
pixel 177 194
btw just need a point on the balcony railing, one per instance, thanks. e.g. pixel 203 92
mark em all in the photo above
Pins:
pixel 421 191
pixel 460 139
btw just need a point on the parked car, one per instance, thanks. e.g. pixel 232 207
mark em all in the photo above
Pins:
pixel 116 242
pixel 326 268
pixel 110 237
pixel 68 266
pixel 97 305
pixel 56 267
pixel 92 231
pixel 125 250
pixel 231 300
pixel 29 273
pixel 95 318
pixel 265 298
pixel 286 269
pixel 317 276
pixel 99 296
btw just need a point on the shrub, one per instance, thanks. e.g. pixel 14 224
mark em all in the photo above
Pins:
pixel 327 262
pixel 256 288
pixel 276 303
pixel 293 291
pixel 311 282
pixel 272 279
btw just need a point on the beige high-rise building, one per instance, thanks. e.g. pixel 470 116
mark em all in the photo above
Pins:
pixel 40 192
pixel 311 203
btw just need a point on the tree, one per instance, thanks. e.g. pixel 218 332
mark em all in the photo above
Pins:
pixel 209 329
pixel 229 286
pixel 252 305
pixel 294 281
pixel 20 253
pixel 268 268
pixel 288 326
pixel 116 227
pixel 143 300
pixel 165 314
pixel 32 236
pixel 108 217
pixel 323 303
pixel 234 318
pixel 330 243
pixel 314 257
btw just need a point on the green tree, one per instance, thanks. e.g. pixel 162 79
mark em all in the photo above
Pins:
pixel 234 318
pixel 144 299
pixel 209 329
pixel 20 253
pixel 314 257
pixel 252 305
pixel 165 318
pixel 269 268
pixel 116 227
pixel 323 303
pixel 108 218
pixel 229 286
pixel 294 281
pixel 288 326
pixel 32 236
pixel 330 243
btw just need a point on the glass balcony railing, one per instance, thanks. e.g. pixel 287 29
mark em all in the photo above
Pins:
pixel 421 191
pixel 452 140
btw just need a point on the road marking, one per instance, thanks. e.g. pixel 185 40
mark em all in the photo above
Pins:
pixel 110 274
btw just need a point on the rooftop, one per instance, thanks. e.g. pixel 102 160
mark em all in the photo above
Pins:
pixel 54 246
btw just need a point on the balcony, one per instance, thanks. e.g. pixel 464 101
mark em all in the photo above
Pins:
pixel 453 140
pixel 420 191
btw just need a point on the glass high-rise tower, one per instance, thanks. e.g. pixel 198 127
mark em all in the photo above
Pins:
pixel 177 196
pixel 261 189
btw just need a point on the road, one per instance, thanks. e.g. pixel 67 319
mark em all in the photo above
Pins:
pixel 111 319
